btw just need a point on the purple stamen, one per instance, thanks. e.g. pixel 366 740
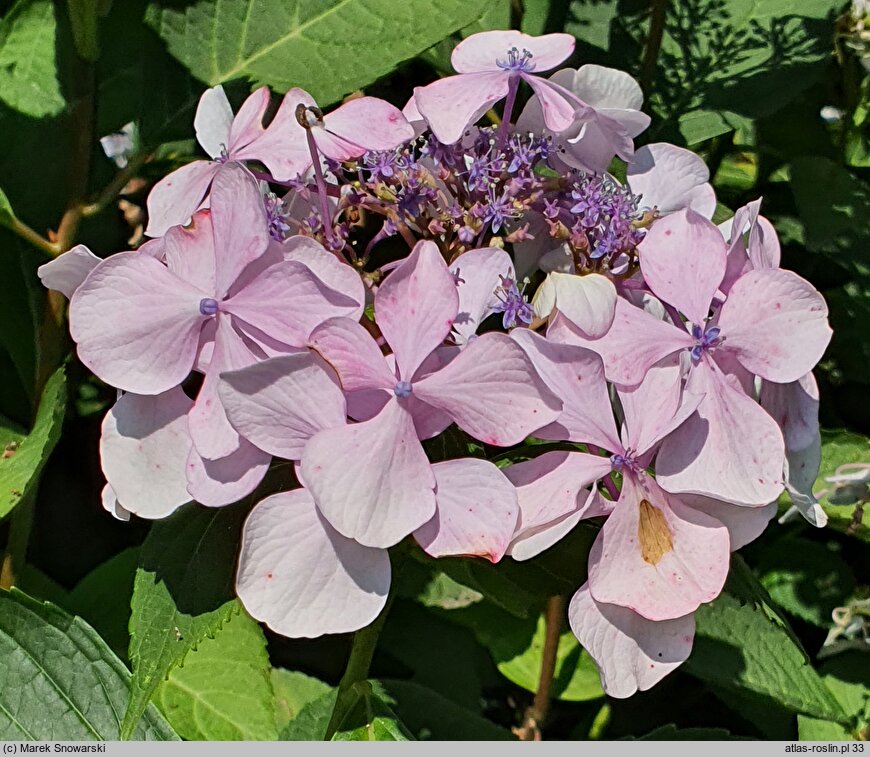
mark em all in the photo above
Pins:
pixel 403 389
pixel 518 62
pixel 512 304
pixel 704 341
pixel 623 461
pixel 208 306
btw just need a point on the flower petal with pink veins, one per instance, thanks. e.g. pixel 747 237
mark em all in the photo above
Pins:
pixel 143 450
pixel 776 324
pixel 353 354
pixel 287 301
pixel 67 271
pixel 136 325
pixel 632 653
pixel 415 307
pixel 744 524
pixel 279 404
pixel 483 51
pixel 589 302
pixel 175 198
pixel 452 104
pixel 302 578
pixel 215 483
pixel 371 480
pixel 188 252
pixel 478 275
pixel 370 122
pixel 576 376
pixel 476 511
pixel 492 391
pixel 683 258
pixel 635 342
pixel 238 217
pixel 212 121
pixel 553 496
pixel 559 107
pixel 248 123
pixel 657 556
pixel 671 178
pixel 329 269
pixel 730 449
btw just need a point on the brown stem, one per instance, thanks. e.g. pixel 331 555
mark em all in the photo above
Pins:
pixel 16 548
pixel 535 715
pixel 29 235
pixel 658 14
pixel 116 185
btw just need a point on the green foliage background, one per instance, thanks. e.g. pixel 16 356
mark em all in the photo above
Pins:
pixel 128 630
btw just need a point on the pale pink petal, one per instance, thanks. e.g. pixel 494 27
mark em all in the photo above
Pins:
pixel 143 450
pixel 188 252
pixel 136 324
pixel 248 123
pixel 492 391
pixel 371 480
pixel 212 121
pixel 801 470
pixel 301 577
pixel 776 323
pixel 683 258
pixel 744 524
pixel 671 178
pixel 279 404
pixel 559 106
pixel 287 301
pixel 603 87
pixel 632 653
pixel 354 354
pixel 635 342
pixel 600 139
pixel 212 434
pixel 283 147
pixel 175 198
pixel 657 556
pixel 111 505
pixel 729 449
pixel 553 496
pixel 576 376
pixel 215 483
pixel 452 104
pixel 589 302
pixel 478 275
pixel 763 248
pixel 66 272
pixel 333 272
pixel 476 511
pixel 370 122
pixel 795 407
pixel 415 307
pixel 483 51
pixel 414 117
pixel 241 229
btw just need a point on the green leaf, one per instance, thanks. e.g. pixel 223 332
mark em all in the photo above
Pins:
pixel 722 64
pixel 805 578
pixel 24 454
pixel 847 676
pixel 183 593
pixel 293 690
pixel 84 19
pixel 431 716
pixel 591 21
pixel 741 644
pixel 222 692
pixel 28 69
pixel 58 679
pixel 329 48
pixel 670 732
pixel 103 599
pixel 7 215
pixel 370 718
pixel 313 719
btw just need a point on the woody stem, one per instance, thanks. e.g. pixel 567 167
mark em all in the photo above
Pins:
pixel 321 185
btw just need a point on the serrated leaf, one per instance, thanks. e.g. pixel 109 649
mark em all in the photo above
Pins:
pixel 741 644
pixel 848 677
pixel 222 691
pixel 313 719
pixel 369 717
pixel 430 716
pixel 329 48
pixel 22 455
pixel 182 594
pixel 59 680
pixel 293 691
pixel 28 66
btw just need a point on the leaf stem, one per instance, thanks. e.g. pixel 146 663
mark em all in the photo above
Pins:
pixel 24 231
pixel 20 523
pixel 116 185
pixel 658 15
pixel 535 715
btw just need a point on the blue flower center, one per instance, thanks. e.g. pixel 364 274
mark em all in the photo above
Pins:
pixel 517 62
pixel 624 461
pixel 704 340
pixel 208 306
pixel 403 389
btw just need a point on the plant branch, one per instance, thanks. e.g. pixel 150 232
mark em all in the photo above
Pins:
pixel 116 185
pixel 24 231
pixel 658 15
pixel 20 524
